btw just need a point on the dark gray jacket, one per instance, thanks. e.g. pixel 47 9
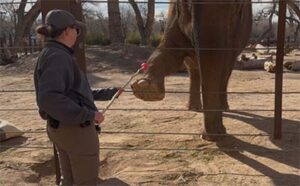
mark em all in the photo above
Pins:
pixel 62 89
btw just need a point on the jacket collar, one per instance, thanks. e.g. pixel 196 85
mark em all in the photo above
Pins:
pixel 54 43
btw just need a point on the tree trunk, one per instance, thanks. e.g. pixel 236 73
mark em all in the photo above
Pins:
pixel 144 29
pixel 263 35
pixel 297 33
pixel 294 7
pixel 25 21
pixel 115 27
pixel 150 20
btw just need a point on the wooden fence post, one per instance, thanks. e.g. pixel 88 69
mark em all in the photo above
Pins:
pixel 4 38
pixel 25 47
pixel 10 40
pixel 1 46
pixel 34 45
pixel 30 44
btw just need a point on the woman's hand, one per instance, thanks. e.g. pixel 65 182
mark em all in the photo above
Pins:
pixel 99 117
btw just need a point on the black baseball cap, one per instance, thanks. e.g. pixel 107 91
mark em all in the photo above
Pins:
pixel 61 19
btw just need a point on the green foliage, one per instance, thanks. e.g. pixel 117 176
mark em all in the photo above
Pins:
pixel 133 38
pixel 155 39
pixel 97 39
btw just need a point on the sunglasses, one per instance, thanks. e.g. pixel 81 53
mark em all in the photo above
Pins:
pixel 78 30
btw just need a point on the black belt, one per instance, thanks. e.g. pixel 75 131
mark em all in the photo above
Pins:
pixel 85 124
pixel 55 124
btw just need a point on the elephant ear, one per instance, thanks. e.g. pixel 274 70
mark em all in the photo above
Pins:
pixel 184 12
pixel 184 17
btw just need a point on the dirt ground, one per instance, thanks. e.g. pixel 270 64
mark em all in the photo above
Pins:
pixel 163 156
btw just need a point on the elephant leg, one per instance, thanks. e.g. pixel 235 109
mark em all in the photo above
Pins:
pixel 226 74
pixel 194 73
pixel 224 85
pixel 212 69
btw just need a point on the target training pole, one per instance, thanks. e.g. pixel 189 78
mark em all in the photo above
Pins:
pixel 144 67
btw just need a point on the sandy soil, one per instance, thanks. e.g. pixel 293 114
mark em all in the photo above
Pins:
pixel 161 158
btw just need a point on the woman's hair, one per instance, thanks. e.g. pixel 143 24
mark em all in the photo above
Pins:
pixel 49 31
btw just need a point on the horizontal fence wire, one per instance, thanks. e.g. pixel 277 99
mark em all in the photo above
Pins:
pixel 166 149
pixel 23 47
pixel 162 110
pixel 193 2
pixel 201 149
pixel 191 134
pixel 17 91
pixel 170 91
pixel 166 133
pixel 165 2
pixel 177 48
pixel 167 109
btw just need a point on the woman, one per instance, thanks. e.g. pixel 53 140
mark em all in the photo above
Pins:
pixel 66 101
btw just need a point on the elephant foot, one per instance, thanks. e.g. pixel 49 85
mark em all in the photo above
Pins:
pixel 211 137
pixel 225 106
pixel 214 136
pixel 195 107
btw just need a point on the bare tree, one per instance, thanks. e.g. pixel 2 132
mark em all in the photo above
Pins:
pixel 294 6
pixel 145 27
pixel 103 23
pixel 8 16
pixel 294 10
pixel 115 27
pixel 128 20
pixel 21 23
pixel 162 21
pixel 25 20
pixel 270 12
pixel 267 13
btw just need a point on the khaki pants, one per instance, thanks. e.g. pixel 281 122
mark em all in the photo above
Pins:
pixel 78 153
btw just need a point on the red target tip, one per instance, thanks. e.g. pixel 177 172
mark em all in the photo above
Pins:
pixel 144 67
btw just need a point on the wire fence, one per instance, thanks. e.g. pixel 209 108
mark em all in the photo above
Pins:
pixel 167 133
pixel 157 133
pixel 168 109
pixel 163 110
pixel 38 48
pixel 167 91
pixel 31 45
pixel 168 149
pixel 133 148
pixel 147 149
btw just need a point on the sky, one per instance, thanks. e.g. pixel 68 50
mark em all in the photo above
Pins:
pixel 163 7
pixel 159 7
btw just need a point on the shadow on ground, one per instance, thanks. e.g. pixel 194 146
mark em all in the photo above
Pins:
pixel 288 151
pixel 12 143
pixel 42 169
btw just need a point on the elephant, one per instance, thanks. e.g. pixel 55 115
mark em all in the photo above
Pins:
pixel 208 38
